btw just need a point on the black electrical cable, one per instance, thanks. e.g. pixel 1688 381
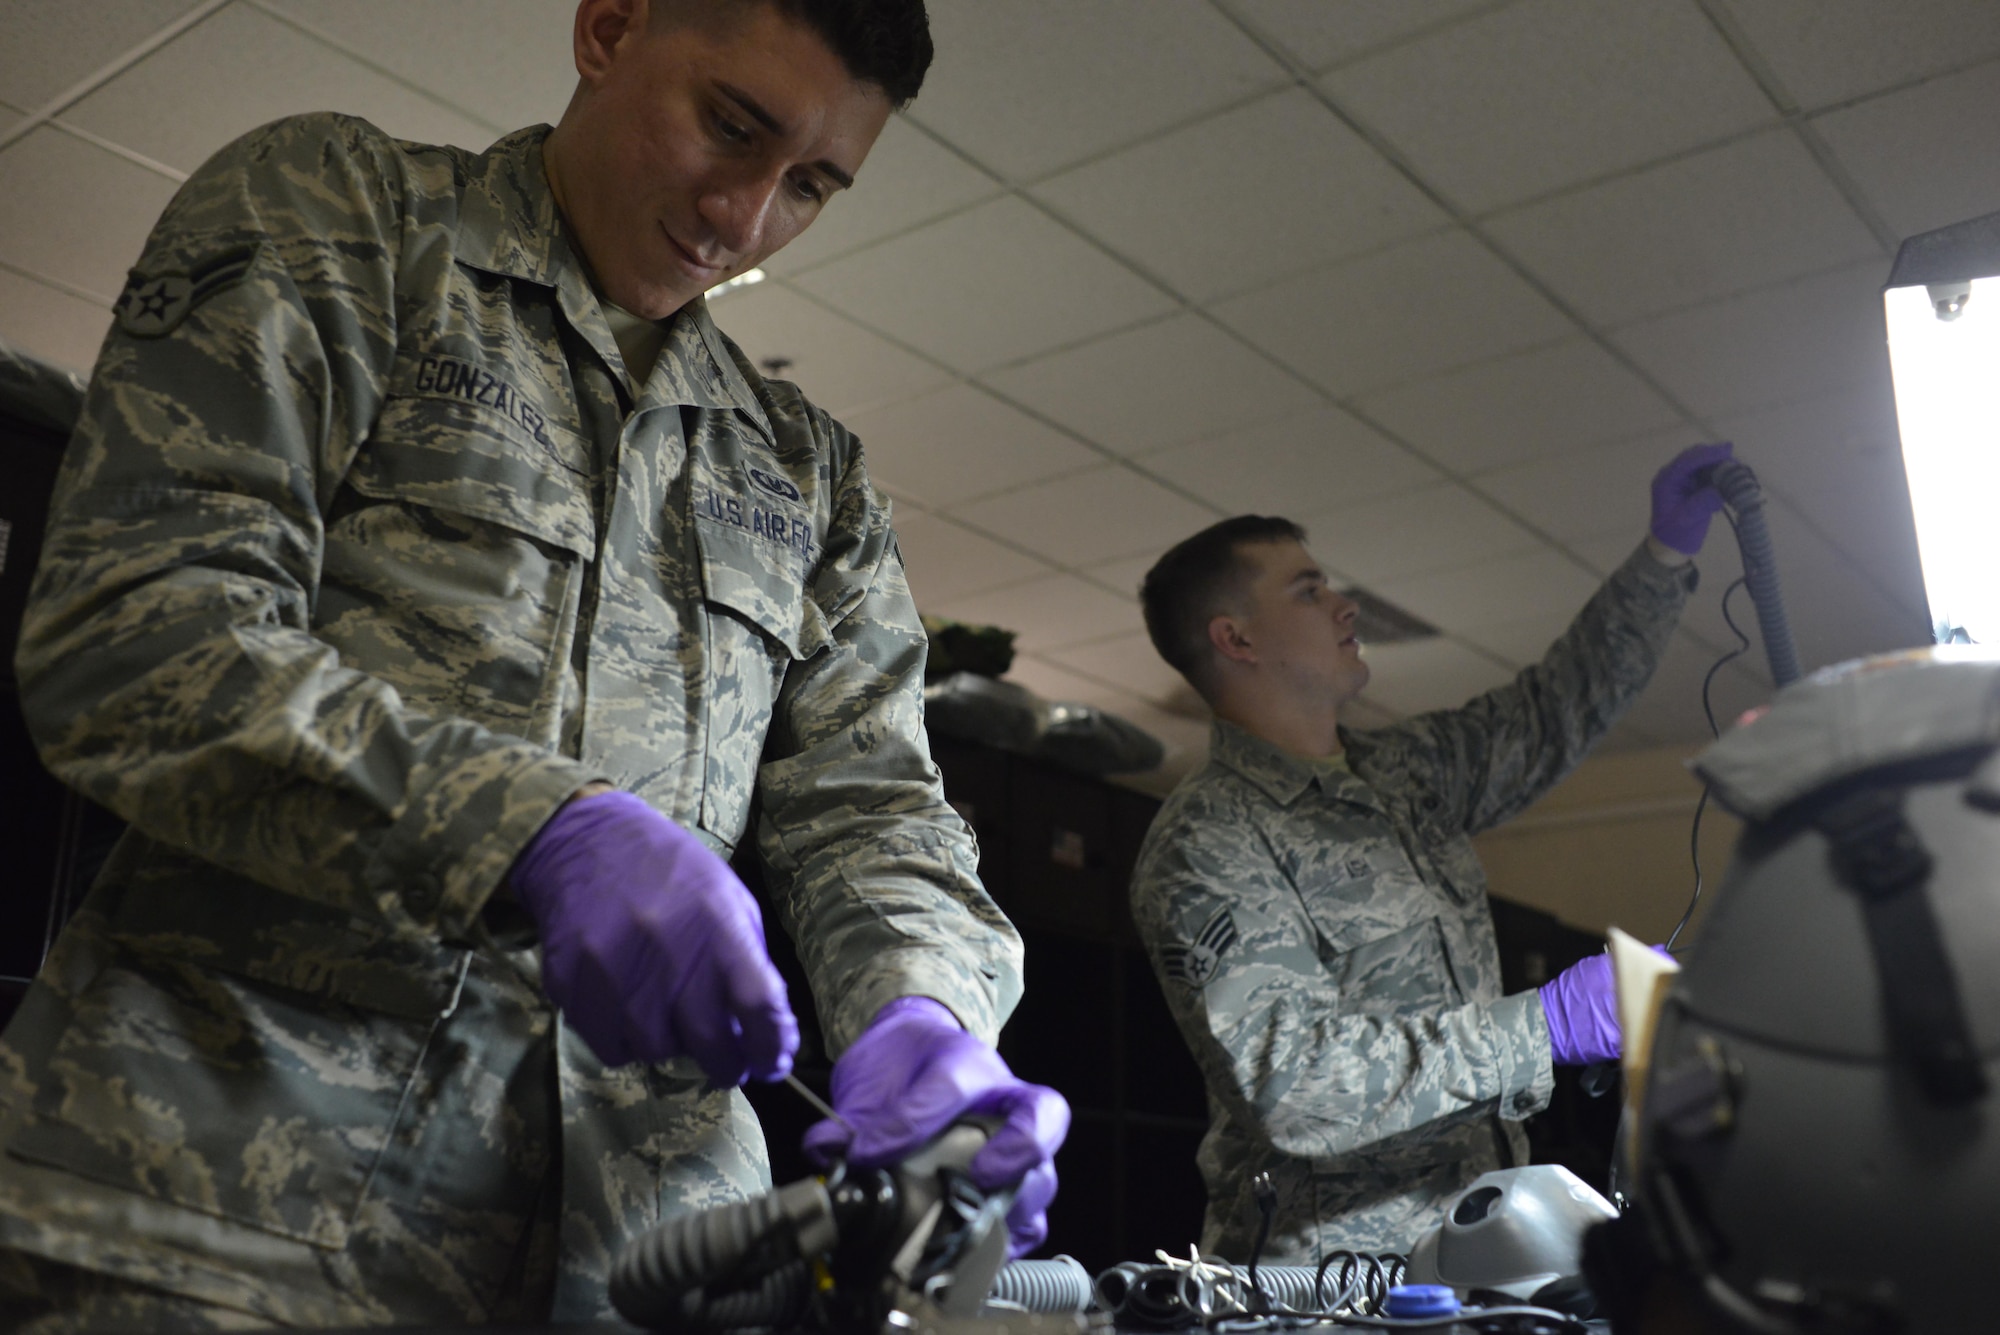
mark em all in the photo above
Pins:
pixel 1708 712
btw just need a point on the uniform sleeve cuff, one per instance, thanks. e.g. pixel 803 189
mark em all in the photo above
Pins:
pixel 460 833
pixel 1521 1036
pixel 913 973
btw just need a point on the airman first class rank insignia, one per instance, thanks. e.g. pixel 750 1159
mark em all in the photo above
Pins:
pixel 1194 965
pixel 153 305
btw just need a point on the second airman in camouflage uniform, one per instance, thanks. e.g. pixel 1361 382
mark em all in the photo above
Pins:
pixel 369 553
pixel 1317 917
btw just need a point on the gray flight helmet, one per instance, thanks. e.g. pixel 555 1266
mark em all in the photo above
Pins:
pixel 1819 1147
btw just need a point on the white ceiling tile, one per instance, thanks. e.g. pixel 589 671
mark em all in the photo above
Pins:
pixel 1868 518
pixel 1090 517
pixel 1544 94
pixel 1839 460
pixel 1567 396
pixel 1306 464
pixel 269 69
pixel 908 180
pixel 839 365
pixel 1541 589
pixel 1745 215
pixel 511 61
pixel 992 285
pixel 1605 552
pixel 1052 682
pixel 1125 574
pixel 1918 155
pixel 1284 186
pixel 50 325
pixel 1031 86
pixel 1607 490
pixel 1520 642
pixel 1776 345
pixel 1396 316
pixel 74 212
pixel 1825 51
pixel 1157 385
pixel 47 48
pixel 1421 675
pixel 945 560
pixel 1319 33
pixel 1836 612
pixel 1433 528
pixel 961 442
pixel 1825 442
pixel 1128 662
pixel 9 118
pixel 1048 612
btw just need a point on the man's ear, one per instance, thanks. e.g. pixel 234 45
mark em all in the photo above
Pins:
pixel 1225 634
pixel 600 26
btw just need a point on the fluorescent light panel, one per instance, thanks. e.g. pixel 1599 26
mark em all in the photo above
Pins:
pixel 1947 376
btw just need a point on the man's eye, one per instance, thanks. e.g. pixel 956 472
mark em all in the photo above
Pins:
pixel 809 189
pixel 729 131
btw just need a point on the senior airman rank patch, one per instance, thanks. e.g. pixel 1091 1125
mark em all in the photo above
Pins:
pixel 153 305
pixel 1195 964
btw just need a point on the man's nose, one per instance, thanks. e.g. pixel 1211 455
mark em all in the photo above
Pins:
pixel 1345 609
pixel 739 210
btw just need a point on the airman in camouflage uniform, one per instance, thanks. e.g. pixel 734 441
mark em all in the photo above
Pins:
pixel 368 554
pixel 1321 931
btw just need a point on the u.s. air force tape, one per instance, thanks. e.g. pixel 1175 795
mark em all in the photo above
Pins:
pixel 153 305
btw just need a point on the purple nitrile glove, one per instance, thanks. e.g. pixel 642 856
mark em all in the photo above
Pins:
pixel 1582 1005
pixel 650 944
pixel 914 1072
pixel 1683 504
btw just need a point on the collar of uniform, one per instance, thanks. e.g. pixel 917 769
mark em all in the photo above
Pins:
pixel 1277 773
pixel 697 368
pixel 1281 775
pixel 508 223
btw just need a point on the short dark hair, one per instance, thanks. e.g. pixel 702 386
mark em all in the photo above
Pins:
pixel 1193 582
pixel 883 42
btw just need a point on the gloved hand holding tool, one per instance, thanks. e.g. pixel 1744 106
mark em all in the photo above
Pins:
pixel 650 945
pixel 914 1072
pixel 1683 499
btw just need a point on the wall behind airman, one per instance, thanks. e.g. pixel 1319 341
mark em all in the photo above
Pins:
pixel 1609 845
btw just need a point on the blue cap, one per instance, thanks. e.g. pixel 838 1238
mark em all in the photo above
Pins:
pixel 1410 1301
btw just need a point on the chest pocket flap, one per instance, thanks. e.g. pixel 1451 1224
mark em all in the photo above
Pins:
pixel 763 583
pixel 467 459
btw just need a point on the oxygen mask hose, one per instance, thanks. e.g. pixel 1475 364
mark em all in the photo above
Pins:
pixel 1741 492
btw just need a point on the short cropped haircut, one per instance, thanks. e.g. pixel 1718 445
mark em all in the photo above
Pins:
pixel 883 42
pixel 1193 582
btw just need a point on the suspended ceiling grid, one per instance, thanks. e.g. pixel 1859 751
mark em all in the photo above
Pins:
pixel 1445 280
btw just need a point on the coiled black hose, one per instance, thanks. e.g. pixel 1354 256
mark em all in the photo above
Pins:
pixel 1740 491
pixel 726 1268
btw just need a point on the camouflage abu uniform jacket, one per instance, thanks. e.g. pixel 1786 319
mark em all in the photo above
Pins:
pixel 1324 941
pixel 367 554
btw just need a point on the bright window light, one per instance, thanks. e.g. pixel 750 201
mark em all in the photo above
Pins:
pixel 745 279
pixel 1948 405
